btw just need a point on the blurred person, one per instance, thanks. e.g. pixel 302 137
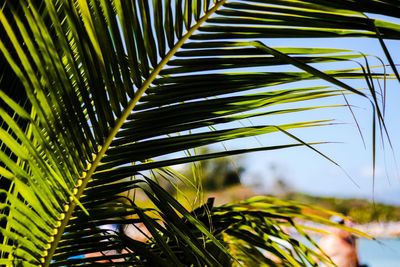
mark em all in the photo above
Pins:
pixel 136 231
pixel 340 246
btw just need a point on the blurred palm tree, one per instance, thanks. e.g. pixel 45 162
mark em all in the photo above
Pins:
pixel 95 93
pixel 213 174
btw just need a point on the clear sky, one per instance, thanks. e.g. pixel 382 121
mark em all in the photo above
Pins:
pixel 307 171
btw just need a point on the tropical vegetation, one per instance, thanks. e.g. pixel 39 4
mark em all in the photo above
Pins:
pixel 97 95
pixel 358 209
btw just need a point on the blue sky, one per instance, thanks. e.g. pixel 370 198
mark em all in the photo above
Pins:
pixel 307 171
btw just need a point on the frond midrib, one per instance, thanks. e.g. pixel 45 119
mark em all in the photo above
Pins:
pixel 131 105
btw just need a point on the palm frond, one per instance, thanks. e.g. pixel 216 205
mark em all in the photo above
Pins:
pixel 108 83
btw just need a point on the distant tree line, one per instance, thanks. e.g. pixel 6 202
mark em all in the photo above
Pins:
pixel 360 210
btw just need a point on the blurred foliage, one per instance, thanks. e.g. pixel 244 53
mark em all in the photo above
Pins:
pixel 360 210
pixel 220 176
pixel 216 174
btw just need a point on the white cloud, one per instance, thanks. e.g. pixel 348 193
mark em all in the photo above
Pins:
pixel 368 171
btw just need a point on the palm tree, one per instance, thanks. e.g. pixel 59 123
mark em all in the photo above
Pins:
pixel 95 92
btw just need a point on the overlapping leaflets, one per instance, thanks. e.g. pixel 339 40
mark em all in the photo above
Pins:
pixel 107 84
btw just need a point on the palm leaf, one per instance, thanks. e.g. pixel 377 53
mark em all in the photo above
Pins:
pixel 110 84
